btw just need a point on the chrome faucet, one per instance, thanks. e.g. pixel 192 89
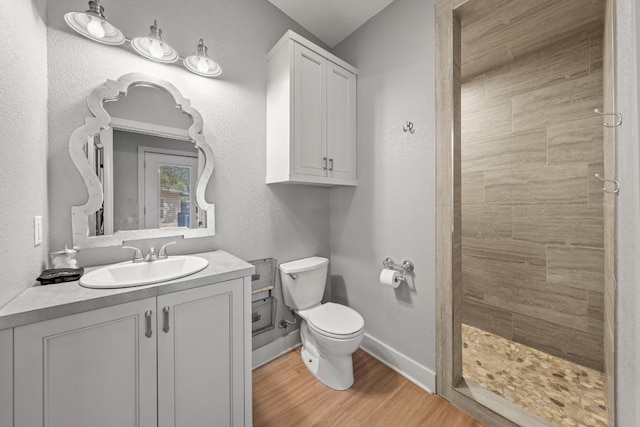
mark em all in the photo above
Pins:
pixel 137 254
pixel 151 255
pixel 162 253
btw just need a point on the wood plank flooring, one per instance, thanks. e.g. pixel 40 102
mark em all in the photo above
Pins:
pixel 285 393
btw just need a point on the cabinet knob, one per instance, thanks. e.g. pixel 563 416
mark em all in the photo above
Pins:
pixel 330 164
pixel 324 168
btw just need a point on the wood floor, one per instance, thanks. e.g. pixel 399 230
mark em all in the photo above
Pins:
pixel 285 393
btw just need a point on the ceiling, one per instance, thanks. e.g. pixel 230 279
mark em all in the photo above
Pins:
pixel 331 20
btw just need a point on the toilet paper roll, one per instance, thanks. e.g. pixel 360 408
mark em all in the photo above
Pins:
pixel 390 277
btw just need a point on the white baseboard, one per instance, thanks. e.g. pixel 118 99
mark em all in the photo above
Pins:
pixel 275 349
pixel 418 374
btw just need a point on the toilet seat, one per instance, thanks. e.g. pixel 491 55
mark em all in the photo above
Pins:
pixel 335 321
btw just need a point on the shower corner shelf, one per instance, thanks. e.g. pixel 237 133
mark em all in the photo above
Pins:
pixel 263 310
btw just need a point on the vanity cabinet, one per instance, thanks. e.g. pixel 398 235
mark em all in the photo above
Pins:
pixel 94 368
pixel 6 377
pixel 177 359
pixel 311 115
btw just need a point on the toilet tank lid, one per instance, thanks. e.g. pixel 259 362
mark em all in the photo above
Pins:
pixel 305 264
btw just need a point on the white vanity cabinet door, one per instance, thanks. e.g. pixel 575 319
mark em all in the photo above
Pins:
pixel 203 354
pixel 6 377
pixel 341 122
pixel 96 368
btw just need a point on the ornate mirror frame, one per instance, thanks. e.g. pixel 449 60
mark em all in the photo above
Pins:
pixel 111 91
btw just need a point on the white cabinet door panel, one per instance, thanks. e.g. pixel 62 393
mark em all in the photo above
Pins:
pixel 89 369
pixel 198 379
pixel 310 119
pixel 341 125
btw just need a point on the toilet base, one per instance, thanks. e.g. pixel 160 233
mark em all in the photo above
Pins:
pixel 332 371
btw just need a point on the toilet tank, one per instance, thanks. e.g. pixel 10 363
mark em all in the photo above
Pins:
pixel 303 282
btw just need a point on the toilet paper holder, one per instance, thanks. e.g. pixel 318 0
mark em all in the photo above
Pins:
pixel 404 267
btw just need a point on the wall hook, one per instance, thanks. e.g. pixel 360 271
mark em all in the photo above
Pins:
pixel 616 185
pixel 607 125
pixel 408 127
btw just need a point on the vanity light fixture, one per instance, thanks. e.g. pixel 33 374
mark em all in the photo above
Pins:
pixel 200 63
pixel 153 46
pixel 93 25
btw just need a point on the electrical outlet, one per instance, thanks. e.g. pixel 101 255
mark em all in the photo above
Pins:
pixel 37 230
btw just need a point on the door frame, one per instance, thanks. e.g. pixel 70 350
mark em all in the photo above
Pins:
pixel 474 399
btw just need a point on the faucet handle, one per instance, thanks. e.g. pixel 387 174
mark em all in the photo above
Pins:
pixel 137 255
pixel 162 253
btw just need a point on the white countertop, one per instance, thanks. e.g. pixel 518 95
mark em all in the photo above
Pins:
pixel 39 303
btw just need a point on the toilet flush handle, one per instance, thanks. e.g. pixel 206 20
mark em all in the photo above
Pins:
pixel 293 276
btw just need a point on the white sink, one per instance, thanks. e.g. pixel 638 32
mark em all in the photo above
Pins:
pixel 127 274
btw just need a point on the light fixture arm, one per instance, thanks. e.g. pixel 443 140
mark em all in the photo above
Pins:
pixel 96 9
pixel 155 32
pixel 202 48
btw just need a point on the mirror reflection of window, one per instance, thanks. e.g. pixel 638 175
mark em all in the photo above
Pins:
pixel 174 187
pixel 165 186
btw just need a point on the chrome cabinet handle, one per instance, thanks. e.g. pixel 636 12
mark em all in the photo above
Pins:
pixel 147 315
pixel 165 320
pixel 324 168
pixel 330 164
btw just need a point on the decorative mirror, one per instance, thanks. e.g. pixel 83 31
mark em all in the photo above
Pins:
pixel 145 163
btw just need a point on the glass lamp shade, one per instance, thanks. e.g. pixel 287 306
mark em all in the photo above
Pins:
pixel 154 48
pixel 199 63
pixel 93 25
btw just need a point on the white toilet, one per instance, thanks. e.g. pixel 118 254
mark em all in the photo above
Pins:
pixel 330 332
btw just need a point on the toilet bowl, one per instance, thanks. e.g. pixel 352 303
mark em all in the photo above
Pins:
pixel 327 350
pixel 330 333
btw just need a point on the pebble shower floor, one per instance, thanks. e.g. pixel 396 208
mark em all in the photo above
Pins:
pixel 558 391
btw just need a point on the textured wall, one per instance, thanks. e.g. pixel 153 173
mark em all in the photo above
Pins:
pixel 532 216
pixel 253 220
pixel 391 213
pixel 23 135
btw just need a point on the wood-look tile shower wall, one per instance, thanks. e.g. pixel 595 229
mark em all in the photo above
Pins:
pixel 532 210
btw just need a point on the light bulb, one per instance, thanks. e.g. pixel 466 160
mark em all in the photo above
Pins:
pixel 155 48
pixel 95 28
pixel 203 66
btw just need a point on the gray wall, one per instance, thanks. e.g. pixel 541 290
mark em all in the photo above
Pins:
pixel 23 136
pixel 253 220
pixel 391 213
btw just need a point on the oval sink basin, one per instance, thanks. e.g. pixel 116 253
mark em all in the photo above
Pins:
pixel 127 274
